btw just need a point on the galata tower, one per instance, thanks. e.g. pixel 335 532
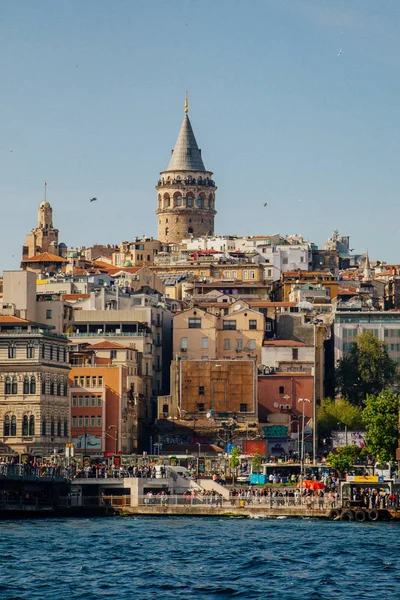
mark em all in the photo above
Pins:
pixel 186 191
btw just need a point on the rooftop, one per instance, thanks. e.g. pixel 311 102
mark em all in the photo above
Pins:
pixel 186 155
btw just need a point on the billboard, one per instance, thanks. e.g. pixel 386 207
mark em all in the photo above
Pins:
pixel 348 438
pixel 92 442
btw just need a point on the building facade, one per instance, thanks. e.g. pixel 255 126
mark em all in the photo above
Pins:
pixel 34 403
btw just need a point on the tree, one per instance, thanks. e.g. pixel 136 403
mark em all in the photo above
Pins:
pixel 256 461
pixel 331 413
pixel 234 461
pixel 366 369
pixel 342 458
pixel 381 418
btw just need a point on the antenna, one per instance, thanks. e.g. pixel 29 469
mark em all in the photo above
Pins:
pixel 45 191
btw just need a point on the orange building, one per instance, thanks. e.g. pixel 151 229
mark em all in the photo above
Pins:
pixel 107 414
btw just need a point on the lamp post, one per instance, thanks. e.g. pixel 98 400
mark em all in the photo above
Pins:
pixel 116 437
pixel 315 323
pixel 303 402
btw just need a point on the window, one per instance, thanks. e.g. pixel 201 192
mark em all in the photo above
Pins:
pixel 26 386
pixel 269 273
pixel 13 425
pixel 30 352
pixel 52 427
pixel 99 401
pixel 73 421
pixel 48 314
pixel 229 325
pixel 100 381
pixel 32 389
pixel 216 274
pixel 86 401
pixel 243 408
pixel 184 344
pixel 295 354
pixel 65 427
pixel 14 385
pixel 201 390
pixel 31 425
pixel 281 389
pixel 239 344
pixel 44 390
pixel 58 388
pixel 204 358
pixel 204 342
pixel 194 323
pixel 285 260
pixel 86 421
pixel 227 274
pixel 11 351
pixel 227 344
pixel 6 429
pixel 165 409
pixel 76 381
pixel 80 421
pixel 252 324
pixel 58 353
pixel 51 352
pixel 94 381
pixel 98 421
pixel 234 274
pixel 252 275
pixel 81 381
pixel 74 401
pixel 52 388
pixel 252 344
pixel 80 401
pixel 92 421
pixel 201 407
pixel 268 326
pixel 93 400
pixel 44 427
pixel 113 354
pixel 7 386
pixel 58 428
pixel 245 274
pixel 65 355
pixel 87 381
pixel 43 350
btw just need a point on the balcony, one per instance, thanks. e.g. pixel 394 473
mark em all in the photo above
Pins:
pixel 111 334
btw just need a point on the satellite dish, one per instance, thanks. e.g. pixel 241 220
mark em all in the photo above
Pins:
pixel 276 404
pixel 208 415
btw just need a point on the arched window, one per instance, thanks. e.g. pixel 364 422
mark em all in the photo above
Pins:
pixel 6 426
pixel 43 386
pixel 7 386
pixel 178 200
pixel 26 385
pixel 14 386
pixel 44 426
pixel 65 427
pixel 199 179
pixel 31 425
pixel 59 428
pixel 52 427
pixel 189 201
pixel 167 201
pixel 33 386
pixel 58 388
pixel 200 202
pixel 13 425
pixel 52 388
pixel 25 426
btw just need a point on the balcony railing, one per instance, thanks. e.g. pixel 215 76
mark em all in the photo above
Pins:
pixel 111 334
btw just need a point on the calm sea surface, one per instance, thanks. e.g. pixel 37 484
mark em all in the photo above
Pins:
pixel 198 558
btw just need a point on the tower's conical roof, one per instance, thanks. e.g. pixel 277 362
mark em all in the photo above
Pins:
pixel 186 155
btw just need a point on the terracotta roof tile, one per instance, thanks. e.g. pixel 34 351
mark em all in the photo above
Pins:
pixel 105 345
pixel 11 319
pixel 45 257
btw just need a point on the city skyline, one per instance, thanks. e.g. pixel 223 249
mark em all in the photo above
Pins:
pixel 293 105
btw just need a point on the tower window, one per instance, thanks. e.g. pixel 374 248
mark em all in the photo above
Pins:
pixel 166 231
pixel 190 230
pixel 189 201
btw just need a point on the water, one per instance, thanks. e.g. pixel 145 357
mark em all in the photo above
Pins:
pixel 172 558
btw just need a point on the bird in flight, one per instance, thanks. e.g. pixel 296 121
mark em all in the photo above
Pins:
pixel 93 199
pixel 265 203
pixel 340 52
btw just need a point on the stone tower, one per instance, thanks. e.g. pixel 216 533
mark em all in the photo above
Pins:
pixel 44 238
pixel 186 191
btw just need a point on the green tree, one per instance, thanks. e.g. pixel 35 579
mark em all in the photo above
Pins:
pixel 342 458
pixel 366 369
pixel 381 418
pixel 256 460
pixel 234 461
pixel 331 413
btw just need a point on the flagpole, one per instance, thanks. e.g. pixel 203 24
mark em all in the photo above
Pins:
pixel 45 191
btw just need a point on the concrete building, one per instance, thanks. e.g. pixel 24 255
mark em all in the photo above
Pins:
pixel 141 251
pixel 186 191
pixel 238 334
pixel 34 403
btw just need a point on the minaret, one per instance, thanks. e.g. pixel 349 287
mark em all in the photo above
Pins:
pixel 186 191
pixel 367 269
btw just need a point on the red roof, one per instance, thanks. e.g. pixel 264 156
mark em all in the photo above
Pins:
pixel 74 296
pixel 10 319
pixel 45 257
pixel 107 346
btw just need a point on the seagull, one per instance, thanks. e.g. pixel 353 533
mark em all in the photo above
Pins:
pixel 93 199
pixel 340 52
pixel 265 203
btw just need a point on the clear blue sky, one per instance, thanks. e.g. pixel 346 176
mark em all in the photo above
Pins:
pixel 92 101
